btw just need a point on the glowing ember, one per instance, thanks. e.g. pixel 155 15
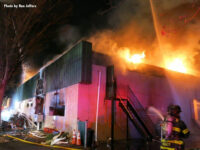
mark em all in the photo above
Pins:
pixel 132 58
pixel 177 65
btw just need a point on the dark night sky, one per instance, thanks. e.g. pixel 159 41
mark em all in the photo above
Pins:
pixel 86 18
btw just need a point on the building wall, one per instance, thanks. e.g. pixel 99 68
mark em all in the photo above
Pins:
pixel 159 92
pixel 69 120
pixel 26 107
pixel 87 107
pixel 151 90
pixel 177 89
pixel 138 82
pixel 71 68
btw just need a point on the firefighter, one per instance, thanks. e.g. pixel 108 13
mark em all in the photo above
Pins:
pixel 174 130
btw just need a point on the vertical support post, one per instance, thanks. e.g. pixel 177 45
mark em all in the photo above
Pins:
pixel 111 95
pixel 112 122
pixel 97 109
pixel 85 141
pixel 127 127
pixel 38 126
pixel 113 113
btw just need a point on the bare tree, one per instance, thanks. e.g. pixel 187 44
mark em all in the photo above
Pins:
pixel 21 30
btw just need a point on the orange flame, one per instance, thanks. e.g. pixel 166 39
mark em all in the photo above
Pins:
pixel 178 65
pixel 132 58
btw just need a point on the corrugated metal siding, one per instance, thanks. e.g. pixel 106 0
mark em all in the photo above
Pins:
pixel 86 63
pixel 73 67
pixel 110 83
pixel 27 90
pixel 101 59
pixel 29 87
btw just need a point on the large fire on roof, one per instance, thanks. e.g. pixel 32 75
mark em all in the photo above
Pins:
pixel 159 33
pixel 132 58
pixel 175 64
pixel 168 39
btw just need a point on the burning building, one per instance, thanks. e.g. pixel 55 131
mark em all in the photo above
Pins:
pixel 86 86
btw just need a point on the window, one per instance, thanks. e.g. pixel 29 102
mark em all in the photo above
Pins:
pixel 29 104
pixel 57 106
pixel 39 105
pixel 39 97
pixel 196 105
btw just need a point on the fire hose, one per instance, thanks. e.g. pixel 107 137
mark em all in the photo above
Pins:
pixel 33 143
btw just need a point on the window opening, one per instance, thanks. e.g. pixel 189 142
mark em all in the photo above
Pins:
pixel 57 107
pixel 196 104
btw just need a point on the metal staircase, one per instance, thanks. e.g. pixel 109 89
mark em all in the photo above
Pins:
pixel 137 115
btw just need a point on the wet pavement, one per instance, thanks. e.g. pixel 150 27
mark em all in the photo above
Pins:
pixel 12 144
pixel 16 145
pixel 129 145
pixel 122 145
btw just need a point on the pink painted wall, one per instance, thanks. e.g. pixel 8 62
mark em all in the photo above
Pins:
pixel 71 111
pixel 70 96
pixel 87 107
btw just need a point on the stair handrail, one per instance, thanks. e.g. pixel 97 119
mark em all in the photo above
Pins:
pixel 142 130
pixel 133 100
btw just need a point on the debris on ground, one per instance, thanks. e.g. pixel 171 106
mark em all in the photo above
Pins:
pixel 50 130
pixel 38 134
pixel 5 126
pixel 3 139
pixel 21 126
pixel 20 120
pixel 60 138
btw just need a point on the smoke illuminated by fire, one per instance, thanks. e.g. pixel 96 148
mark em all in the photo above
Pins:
pixel 162 39
pixel 27 73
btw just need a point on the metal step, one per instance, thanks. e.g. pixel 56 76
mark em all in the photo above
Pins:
pixel 134 119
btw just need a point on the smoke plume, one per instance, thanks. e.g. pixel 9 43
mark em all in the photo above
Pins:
pixel 174 32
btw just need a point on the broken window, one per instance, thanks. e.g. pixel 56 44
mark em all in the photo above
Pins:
pixel 57 106
pixel 40 87
pixel 39 105
pixel 39 97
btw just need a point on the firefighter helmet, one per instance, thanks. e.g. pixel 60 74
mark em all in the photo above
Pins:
pixel 174 109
